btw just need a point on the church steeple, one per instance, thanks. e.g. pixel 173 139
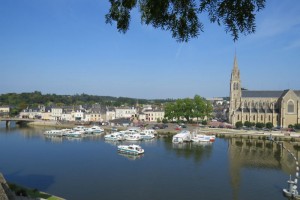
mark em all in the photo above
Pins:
pixel 235 89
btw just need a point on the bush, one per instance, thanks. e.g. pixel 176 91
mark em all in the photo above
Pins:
pixel 290 126
pixel 269 125
pixel 248 124
pixel 204 122
pixel 297 126
pixel 260 125
pixel 238 124
pixel 164 121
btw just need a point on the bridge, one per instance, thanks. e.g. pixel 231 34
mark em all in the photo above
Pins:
pixel 15 119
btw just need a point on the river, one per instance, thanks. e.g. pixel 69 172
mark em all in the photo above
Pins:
pixel 90 168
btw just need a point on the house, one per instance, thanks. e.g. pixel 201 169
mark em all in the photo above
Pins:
pixel 4 111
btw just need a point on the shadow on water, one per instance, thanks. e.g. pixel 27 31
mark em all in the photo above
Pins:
pixel 35 181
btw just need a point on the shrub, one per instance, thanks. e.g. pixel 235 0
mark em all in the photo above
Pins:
pixel 248 124
pixel 269 125
pixel 260 125
pixel 238 124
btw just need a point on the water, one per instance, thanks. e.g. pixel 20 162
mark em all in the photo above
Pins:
pixel 91 168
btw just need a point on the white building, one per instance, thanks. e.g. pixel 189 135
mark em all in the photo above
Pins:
pixel 154 115
pixel 125 112
pixel 56 113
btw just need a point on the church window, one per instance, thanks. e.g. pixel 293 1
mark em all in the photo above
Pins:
pixel 254 117
pixel 246 117
pixel 261 118
pixel 290 107
pixel 269 118
pixel 238 117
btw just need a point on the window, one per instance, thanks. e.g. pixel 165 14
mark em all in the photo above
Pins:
pixel 238 117
pixel 261 118
pixel 246 117
pixel 254 117
pixel 290 107
pixel 269 117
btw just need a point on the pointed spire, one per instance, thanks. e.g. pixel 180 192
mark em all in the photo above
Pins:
pixel 235 64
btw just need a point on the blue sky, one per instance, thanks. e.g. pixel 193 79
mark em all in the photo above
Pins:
pixel 65 47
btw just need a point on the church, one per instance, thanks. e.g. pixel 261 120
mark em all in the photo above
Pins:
pixel 281 107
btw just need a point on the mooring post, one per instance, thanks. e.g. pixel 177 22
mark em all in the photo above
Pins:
pixel 7 124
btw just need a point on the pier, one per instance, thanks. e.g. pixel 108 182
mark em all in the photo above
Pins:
pixel 8 120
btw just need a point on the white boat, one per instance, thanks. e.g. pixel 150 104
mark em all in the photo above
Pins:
pixel 183 136
pixel 74 134
pixel 131 149
pixel 148 134
pixel 79 128
pixel 94 130
pixel 53 133
pixel 116 136
pixel 201 138
pixel 133 137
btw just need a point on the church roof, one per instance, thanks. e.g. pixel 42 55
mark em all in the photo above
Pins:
pixel 297 92
pixel 262 94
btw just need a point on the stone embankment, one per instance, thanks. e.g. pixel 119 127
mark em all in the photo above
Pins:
pixel 5 193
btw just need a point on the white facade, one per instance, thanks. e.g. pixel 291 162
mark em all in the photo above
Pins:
pixel 125 112
pixel 56 113
pixel 67 117
pixel 153 116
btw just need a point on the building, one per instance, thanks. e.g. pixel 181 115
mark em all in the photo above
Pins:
pixel 125 112
pixel 4 111
pixel 281 108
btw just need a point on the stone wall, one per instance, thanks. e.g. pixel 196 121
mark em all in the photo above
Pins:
pixel 5 193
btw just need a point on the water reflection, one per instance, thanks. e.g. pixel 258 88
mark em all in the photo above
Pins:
pixel 131 157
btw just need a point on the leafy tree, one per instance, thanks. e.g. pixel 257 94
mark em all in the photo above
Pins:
pixel 239 124
pixel 297 126
pixel 182 17
pixel 269 125
pixel 290 126
pixel 260 125
pixel 164 120
pixel 204 122
pixel 247 124
pixel 158 120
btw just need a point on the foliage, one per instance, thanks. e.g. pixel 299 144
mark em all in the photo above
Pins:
pixel 269 125
pixel 260 125
pixel 204 122
pixel 290 126
pixel 164 120
pixel 239 124
pixel 188 108
pixel 23 100
pixel 247 124
pixel 158 120
pixel 182 18
pixel 297 126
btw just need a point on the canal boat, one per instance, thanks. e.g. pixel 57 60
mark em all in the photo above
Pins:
pixel 133 137
pixel 183 136
pixel 94 130
pixel 148 134
pixel 53 133
pixel 75 134
pixel 116 136
pixel 291 192
pixel 132 149
pixel 203 138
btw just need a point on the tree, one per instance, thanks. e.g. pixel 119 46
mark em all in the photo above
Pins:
pixel 182 17
pixel 238 124
pixel 269 125
pixel 248 124
pixel 260 125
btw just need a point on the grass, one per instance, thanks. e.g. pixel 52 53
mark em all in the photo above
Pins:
pixel 33 193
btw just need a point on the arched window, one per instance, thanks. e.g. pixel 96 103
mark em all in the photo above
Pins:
pixel 254 117
pixel 238 117
pixel 246 117
pixel 269 118
pixel 291 107
pixel 261 118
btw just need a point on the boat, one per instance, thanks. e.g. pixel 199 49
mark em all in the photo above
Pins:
pixel 54 133
pixel 203 138
pixel 116 136
pixel 133 137
pixel 292 191
pixel 183 136
pixel 132 149
pixel 94 130
pixel 75 134
pixel 148 134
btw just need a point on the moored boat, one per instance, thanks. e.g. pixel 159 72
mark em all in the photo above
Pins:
pixel 116 136
pixel 183 136
pixel 203 138
pixel 132 149
pixel 148 134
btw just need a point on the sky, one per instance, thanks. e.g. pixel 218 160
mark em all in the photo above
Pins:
pixel 65 47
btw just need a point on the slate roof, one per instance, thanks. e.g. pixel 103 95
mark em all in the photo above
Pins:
pixel 261 94
pixel 297 92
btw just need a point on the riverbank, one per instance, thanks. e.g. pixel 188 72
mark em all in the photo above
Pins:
pixel 170 130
